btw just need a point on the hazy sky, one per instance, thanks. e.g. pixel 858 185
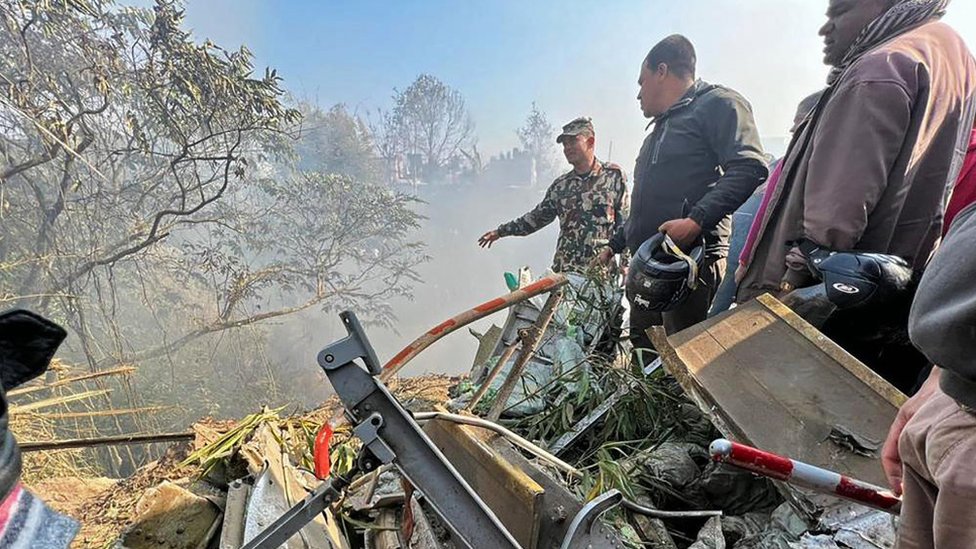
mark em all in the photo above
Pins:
pixel 572 57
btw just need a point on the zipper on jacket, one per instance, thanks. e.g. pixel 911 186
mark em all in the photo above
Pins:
pixel 660 141
pixel 666 118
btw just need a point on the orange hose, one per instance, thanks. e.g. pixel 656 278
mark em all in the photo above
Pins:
pixel 395 364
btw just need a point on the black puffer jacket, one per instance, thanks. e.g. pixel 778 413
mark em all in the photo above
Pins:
pixel 703 160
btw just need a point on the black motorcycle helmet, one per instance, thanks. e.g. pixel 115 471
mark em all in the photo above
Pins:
pixel 853 280
pixel 661 276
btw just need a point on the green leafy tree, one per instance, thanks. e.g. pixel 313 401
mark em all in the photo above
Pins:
pixel 337 142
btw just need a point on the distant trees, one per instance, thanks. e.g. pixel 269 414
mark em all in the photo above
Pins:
pixel 538 137
pixel 337 142
pixel 430 121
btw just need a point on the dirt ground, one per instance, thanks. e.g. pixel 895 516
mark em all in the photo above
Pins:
pixel 69 494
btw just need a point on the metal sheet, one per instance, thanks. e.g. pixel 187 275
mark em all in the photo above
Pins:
pixel 232 532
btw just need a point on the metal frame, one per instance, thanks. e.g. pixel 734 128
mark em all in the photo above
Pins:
pixel 389 435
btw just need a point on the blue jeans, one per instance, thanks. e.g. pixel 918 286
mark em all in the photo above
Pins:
pixel 741 222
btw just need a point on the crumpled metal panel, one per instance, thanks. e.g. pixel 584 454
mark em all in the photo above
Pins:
pixel 858 527
pixel 265 504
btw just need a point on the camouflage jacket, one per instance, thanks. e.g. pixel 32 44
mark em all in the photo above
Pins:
pixel 590 209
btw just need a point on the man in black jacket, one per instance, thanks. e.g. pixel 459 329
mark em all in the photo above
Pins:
pixel 702 161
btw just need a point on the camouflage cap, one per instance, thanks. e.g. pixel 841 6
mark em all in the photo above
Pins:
pixel 581 126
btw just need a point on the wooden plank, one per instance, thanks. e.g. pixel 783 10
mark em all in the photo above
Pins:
pixel 559 505
pixel 770 380
pixel 842 357
pixel 514 497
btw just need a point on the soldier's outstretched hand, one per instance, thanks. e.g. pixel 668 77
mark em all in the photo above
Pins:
pixel 488 239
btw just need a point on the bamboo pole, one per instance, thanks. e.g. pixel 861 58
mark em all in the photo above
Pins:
pixel 104 413
pixel 33 389
pixel 104 441
pixel 529 344
pixel 55 401
pixel 496 369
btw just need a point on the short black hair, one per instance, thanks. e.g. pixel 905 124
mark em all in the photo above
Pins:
pixel 675 51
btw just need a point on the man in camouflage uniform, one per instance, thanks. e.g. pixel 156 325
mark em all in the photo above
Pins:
pixel 591 202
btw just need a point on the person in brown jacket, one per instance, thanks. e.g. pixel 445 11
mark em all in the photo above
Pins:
pixel 871 167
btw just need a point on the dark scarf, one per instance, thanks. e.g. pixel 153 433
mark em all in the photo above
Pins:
pixel 901 18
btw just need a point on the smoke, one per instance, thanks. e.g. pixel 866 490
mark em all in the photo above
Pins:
pixel 459 275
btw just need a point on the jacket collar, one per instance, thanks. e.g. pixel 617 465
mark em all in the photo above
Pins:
pixel 595 169
pixel 696 90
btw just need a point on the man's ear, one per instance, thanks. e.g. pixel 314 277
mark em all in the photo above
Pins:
pixel 662 70
pixel 590 142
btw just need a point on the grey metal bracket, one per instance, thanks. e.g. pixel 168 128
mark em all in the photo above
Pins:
pixel 392 436
pixel 368 433
pixel 354 346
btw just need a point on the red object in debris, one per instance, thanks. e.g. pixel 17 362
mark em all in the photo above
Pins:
pixel 320 452
pixel 803 474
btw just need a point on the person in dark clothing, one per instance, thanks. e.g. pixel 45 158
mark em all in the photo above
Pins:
pixel 928 455
pixel 702 160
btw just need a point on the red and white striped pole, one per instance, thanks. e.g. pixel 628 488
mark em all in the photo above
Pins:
pixel 803 474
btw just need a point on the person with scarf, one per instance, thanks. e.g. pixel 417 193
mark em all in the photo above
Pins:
pixel 871 168
pixel 742 232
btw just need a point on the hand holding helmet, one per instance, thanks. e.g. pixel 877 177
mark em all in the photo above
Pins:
pixel 662 275
pixel 684 232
